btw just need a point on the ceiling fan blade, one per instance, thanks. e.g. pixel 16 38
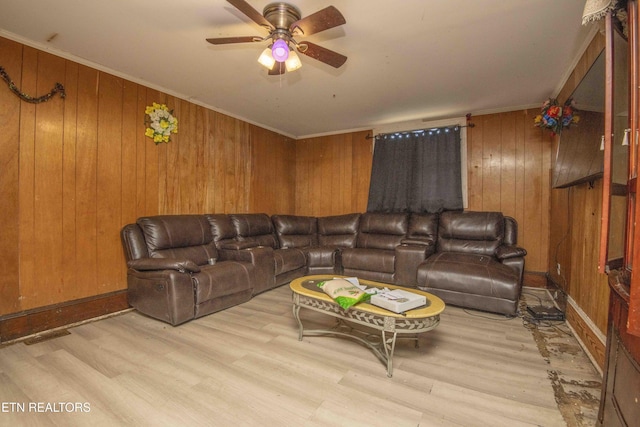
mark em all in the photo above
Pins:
pixel 322 54
pixel 228 40
pixel 324 19
pixel 278 68
pixel 255 16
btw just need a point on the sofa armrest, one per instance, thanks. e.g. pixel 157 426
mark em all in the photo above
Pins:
pixel 239 245
pixel 512 256
pixel 251 254
pixel 509 251
pixel 408 258
pixel 152 264
pixel 419 242
pixel 167 294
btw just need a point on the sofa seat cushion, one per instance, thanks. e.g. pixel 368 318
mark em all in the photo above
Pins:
pixel 369 259
pixel 221 279
pixel 288 260
pixel 469 274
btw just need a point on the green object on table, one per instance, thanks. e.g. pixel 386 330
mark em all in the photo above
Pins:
pixel 345 293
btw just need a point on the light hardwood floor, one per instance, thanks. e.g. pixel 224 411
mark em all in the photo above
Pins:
pixel 245 367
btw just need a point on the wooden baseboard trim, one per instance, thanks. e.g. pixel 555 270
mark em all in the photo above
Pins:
pixel 590 338
pixel 534 279
pixel 29 322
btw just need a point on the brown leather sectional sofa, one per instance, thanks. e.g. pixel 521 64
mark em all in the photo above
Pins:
pixel 181 267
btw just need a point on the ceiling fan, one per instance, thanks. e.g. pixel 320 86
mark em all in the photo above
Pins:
pixel 283 21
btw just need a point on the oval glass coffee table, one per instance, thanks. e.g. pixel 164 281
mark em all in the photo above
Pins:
pixel 306 294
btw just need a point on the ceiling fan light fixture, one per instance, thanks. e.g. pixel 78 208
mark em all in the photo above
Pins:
pixel 266 58
pixel 293 62
pixel 283 21
pixel 280 50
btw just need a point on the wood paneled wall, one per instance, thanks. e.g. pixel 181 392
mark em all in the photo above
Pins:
pixel 508 164
pixel 74 171
pixel 575 226
pixel 333 174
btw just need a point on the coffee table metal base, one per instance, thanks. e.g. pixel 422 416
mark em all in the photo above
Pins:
pixel 388 326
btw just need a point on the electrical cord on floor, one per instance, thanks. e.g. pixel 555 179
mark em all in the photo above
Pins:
pixel 504 318
pixel 530 322
pixel 486 316
pixel 533 296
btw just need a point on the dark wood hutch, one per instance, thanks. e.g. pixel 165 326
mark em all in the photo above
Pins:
pixel 620 401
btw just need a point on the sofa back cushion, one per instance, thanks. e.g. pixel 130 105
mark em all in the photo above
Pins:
pixel 423 228
pixel 255 227
pixel 470 232
pixel 133 242
pixel 382 230
pixel 222 228
pixel 295 231
pixel 338 230
pixel 179 236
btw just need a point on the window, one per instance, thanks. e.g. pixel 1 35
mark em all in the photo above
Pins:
pixel 418 171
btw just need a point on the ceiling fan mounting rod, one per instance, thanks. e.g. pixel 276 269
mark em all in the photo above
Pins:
pixel 281 15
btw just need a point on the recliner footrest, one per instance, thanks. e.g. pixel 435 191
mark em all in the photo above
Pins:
pixel 471 280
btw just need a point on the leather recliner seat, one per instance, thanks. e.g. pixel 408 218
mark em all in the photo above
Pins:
pixel 174 272
pixel 374 256
pixel 477 263
pixel 185 266
pixel 321 239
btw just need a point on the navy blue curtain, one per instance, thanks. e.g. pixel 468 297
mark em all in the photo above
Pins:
pixel 416 171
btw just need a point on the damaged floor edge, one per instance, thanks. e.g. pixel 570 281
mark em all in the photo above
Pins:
pixel 575 381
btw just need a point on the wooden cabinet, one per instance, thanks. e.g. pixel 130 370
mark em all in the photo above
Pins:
pixel 620 400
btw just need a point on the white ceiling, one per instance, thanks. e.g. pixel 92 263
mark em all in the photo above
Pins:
pixel 408 59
